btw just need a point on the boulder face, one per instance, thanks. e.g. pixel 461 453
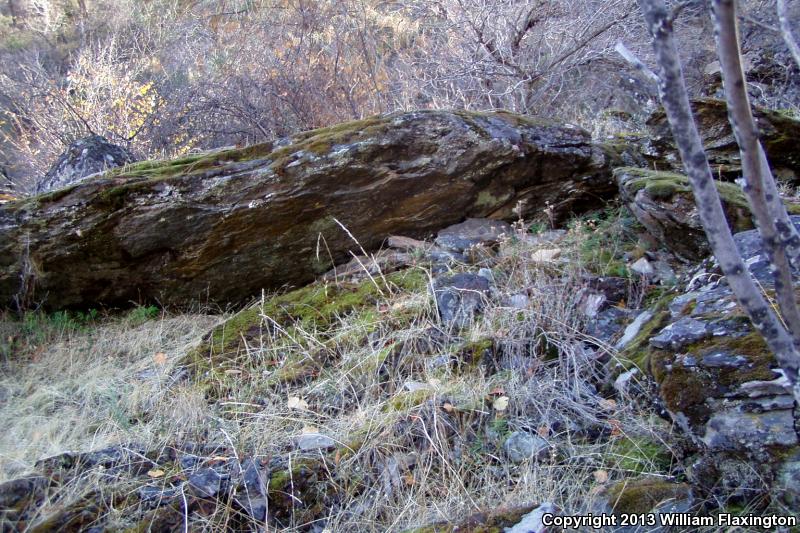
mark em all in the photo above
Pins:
pixel 224 225
pixel 83 158
pixel 778 134
pixel 664 204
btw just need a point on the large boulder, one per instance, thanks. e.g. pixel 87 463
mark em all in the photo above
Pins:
pixel 83 158
pixel 778 133
pixel 222 226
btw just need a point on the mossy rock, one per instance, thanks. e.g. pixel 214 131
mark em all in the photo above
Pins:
pixel 664 204
pixel 685 388
pixel 221 226
pixel 495 521
pixel 644 494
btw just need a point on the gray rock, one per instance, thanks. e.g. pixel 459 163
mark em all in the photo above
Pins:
pixel 518 301
pixel 251 494
pixel 460 297
pixel 608 323
pixel 723 359
pixel 680 303
pixel 623 381
pixel 206 482
pixel 664 273
pixel 731 429
pixel 643 267
pixel 681 333
pixel 633 329
pixel 315 441
pixel 523 446
pixel 487 274
pixel 471 232
pixel 532 522
pixel 157 496
pixel 83 158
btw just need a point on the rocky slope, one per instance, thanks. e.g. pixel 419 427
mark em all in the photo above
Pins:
pixel 434 385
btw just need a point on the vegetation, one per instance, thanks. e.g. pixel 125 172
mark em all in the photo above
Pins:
pixel 368 364
pixel 166 78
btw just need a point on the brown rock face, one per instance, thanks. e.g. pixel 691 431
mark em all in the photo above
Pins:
pixel 221 226
pixel 778 134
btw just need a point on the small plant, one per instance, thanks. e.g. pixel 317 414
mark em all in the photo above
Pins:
pixel 141 314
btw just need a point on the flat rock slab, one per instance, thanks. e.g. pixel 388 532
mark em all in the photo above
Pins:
pixel 221 226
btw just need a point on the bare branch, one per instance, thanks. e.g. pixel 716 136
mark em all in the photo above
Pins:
pixel 786 31
pixel 631 58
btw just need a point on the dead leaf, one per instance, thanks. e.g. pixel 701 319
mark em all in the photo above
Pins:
pixel 543 431
pixel 160 358
pixel 600 476
pixel 155 473
pixel 501 403
pixel 295 402
pixel 447 406
pixel 308 428
pixel 497 391
pixel 616 427
pixel 608 405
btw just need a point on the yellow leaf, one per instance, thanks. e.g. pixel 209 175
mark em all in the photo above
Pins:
pixel 155 473
pixel 501 403
pixel 600 476
pixel 296 402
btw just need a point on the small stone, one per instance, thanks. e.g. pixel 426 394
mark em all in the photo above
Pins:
pixel 206 482
pixel 533 522
pixel 633 329
pixel 471 232
pixel 623 381
pixel 681 303
pixel 723 359
pixel 546 255
pixel 157 495
pixel 681 333
pixel 315 441
pixel 663 273
pixel 487 274
pixel 522 446
pixel 643 267
pixel 518 301
pixel 460 297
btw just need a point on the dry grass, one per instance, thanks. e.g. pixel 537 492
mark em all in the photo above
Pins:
pixel 407 457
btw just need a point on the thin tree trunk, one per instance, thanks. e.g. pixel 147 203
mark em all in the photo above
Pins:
pixel 676 103
pixel 756 175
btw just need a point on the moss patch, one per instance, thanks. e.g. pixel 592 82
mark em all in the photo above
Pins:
pixel 643 495
pixel 640 455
